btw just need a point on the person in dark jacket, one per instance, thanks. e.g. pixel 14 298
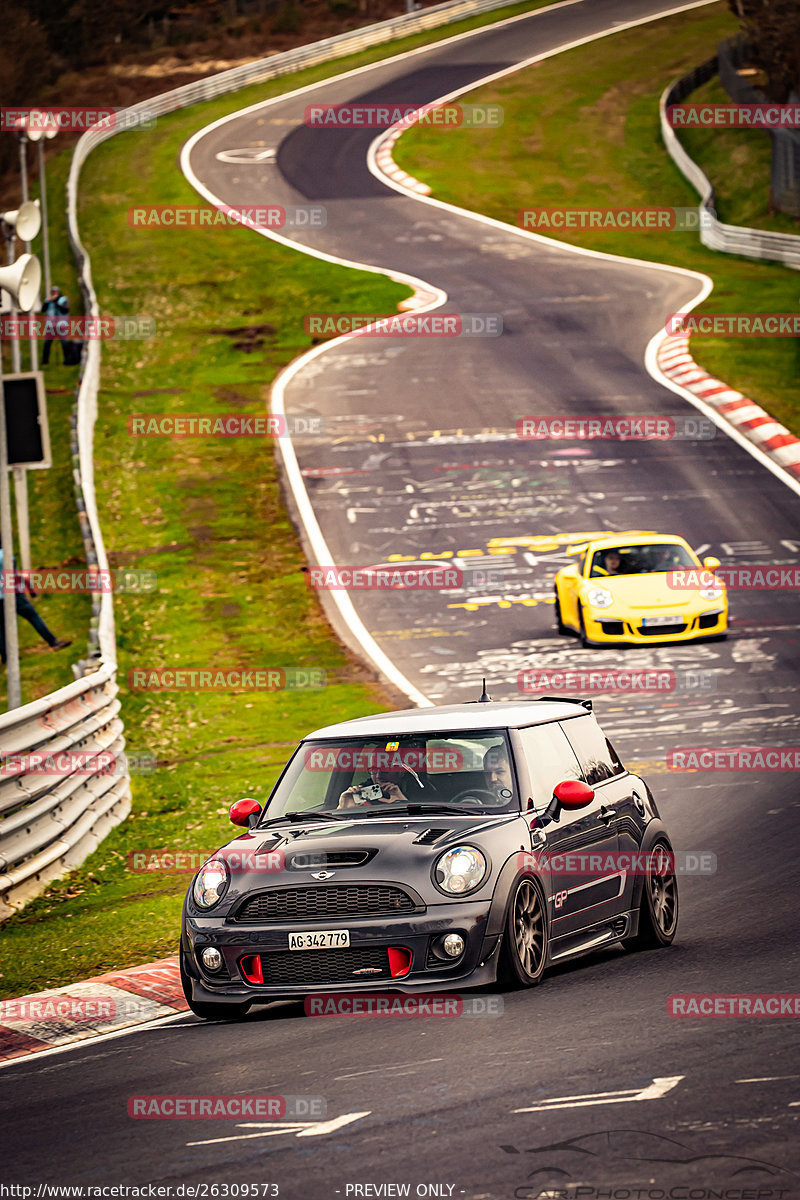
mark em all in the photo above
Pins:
pixel 56 305
pixel 25 609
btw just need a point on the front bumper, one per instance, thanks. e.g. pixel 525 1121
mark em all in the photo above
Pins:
pixel 330 971
pixel 604 628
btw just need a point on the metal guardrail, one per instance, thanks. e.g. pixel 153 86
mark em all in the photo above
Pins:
pixel 730 239
pixel 49 823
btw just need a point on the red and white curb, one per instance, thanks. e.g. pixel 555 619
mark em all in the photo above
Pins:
pixel 675 361
pixel 419 301
pixel 60 1016
pixel 383 157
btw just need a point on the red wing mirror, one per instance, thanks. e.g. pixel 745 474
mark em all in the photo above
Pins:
pixel 573 793
pixel 241 812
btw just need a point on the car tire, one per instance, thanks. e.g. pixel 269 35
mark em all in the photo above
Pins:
pixel 582 629
pixel 560 626
pixel 523 953
pixel 658 911
pixel 209 1011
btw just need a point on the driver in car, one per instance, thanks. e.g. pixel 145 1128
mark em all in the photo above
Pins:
pixel 497 770
pixel 611 564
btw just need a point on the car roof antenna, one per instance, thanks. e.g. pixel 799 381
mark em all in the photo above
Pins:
pixel 484 697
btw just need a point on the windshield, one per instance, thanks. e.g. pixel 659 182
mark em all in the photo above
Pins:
pixel 380 776
pixel 640 560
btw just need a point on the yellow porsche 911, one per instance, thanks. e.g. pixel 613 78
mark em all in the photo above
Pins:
pixel 637 588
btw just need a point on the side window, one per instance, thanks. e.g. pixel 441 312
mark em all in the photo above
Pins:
pixel 595 753
pixel 550 760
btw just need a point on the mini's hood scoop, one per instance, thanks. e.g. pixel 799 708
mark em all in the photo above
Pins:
pixel 429 836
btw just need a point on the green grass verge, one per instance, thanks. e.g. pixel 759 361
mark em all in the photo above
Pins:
pixel 582 130
pixel 205 515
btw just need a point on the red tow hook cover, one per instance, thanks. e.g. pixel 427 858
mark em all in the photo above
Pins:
pixel 250 966
pixel 399 961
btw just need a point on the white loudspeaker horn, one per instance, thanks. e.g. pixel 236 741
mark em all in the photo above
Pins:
pixel 21 280
pixel 27 220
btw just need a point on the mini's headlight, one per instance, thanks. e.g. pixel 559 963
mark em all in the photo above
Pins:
pixel 211 883
pixel 460 870
pixel 600 597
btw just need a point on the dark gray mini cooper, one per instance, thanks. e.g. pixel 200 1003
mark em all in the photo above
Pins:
pixel 428 850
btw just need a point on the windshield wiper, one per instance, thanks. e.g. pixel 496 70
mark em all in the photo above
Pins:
pixel 295 817
pixel 419 810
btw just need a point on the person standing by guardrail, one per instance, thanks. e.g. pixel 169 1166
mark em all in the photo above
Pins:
pixel 25 609
pixel 55 306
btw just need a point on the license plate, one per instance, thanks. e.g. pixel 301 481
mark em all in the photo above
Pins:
pixel 323 939
pixel 676 620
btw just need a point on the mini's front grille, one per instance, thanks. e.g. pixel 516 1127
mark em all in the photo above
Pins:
pixel 660 630
pixel 287 905
pixel 293 968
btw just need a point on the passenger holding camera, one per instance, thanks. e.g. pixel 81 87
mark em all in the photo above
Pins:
pixel 381 790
